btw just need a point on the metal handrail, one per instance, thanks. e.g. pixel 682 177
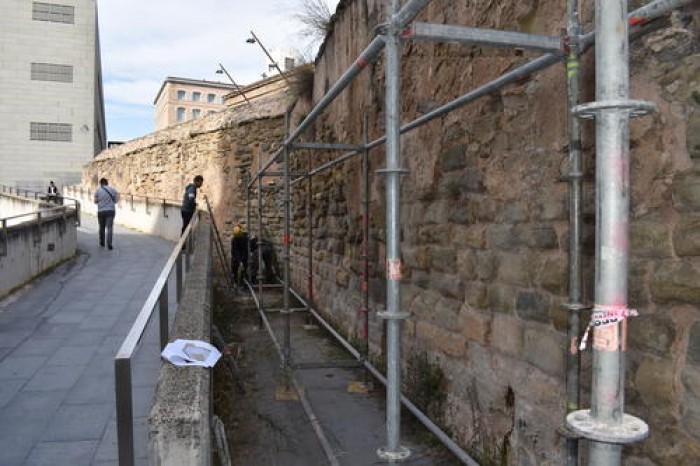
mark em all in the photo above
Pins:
pixel 122 360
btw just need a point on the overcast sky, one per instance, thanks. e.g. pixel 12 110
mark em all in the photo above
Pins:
pixel 145 41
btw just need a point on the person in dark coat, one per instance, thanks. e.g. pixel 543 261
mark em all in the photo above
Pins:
pixel 239 253
pixel 189 201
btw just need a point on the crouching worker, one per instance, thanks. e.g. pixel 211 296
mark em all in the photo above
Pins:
pixel 239 254
pixel 268 258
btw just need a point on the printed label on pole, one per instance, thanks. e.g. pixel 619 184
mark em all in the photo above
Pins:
pixel 393 269
pixel 606 338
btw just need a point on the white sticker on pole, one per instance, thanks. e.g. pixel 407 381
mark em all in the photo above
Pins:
pixel 393 269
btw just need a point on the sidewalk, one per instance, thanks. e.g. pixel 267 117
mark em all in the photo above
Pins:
pixel 58 339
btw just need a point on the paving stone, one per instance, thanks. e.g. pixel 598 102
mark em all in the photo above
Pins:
pixel 79 422
pixel 20 367
pixel 63 453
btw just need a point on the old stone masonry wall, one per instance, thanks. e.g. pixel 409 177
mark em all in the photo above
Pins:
pixel 485 229
pixel 222 147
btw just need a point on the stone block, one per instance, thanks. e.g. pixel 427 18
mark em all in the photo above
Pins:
pixel 502 236
pixel 654 381
pixel 449 285
pixel 475 326
pixel 686 192
pixel 534 306
pixel 652 332
pixel 676 282
pixel 545 349
pixel 454 158
pixel 691 384
pixel 471 236
pixel 650 238
pixel 466 264
pixel 693 132
pixel 536 236
pixel 487 265
pixel 449 343
pixel 686 237
pixel 476 295
pixel 553 275
pixel 691 420
pixel 507 333
pixel 693 352
pixel 502 298
pixel 443 259
pixel 482 208
pixel 516 268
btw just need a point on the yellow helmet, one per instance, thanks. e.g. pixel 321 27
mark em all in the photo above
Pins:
pixel 237 230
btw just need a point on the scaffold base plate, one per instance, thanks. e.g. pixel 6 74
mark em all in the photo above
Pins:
pixel 630 430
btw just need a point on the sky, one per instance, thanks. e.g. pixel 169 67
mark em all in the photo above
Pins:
pixel 144 41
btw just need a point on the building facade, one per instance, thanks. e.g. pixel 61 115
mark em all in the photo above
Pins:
pixel 52 111
pixel 182 99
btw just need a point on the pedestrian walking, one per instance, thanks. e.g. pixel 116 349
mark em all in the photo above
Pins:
pixel 106 198
pixel 189 201
pixel 239 253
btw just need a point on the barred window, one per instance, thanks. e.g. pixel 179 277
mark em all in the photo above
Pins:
pixel 51 72
pixel 53 12
pixel 51 132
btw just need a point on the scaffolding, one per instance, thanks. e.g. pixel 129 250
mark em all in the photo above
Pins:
pixel 605 425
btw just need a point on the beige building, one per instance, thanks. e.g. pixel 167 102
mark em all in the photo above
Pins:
pixel 182 99
pixel 51 111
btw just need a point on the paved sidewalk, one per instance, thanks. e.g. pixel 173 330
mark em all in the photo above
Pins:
pixel 58 339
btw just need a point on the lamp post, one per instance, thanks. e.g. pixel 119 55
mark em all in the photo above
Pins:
pixel 254 39
pixel 223 70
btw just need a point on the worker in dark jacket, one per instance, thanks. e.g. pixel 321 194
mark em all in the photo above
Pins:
pixel 239 253
pixel 189 201
pixel 268 257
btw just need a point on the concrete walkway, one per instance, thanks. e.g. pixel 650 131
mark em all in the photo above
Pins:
pixel 58 339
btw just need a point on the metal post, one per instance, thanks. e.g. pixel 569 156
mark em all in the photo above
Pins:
pixel 248 226
pixel 605 424
pixel 125 415
pixel 310 227
pixel 286 240
pixel 364 310
pixel 178 277
pixel 575 305
pixel 393 451
pixel 163 315
pixel 260 238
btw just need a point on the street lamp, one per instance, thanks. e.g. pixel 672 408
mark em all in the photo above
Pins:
pixel 254 39
pixel 223 70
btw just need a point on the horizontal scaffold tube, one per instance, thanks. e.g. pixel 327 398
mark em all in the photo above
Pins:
pixel 648 12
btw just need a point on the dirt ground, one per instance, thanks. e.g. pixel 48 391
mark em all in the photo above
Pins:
pixel 267 424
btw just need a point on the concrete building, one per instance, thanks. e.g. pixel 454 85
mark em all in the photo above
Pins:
pixel 52 107
pixel 182 99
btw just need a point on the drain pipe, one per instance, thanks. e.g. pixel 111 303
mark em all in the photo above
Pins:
pixel 606 425
pixel 575 304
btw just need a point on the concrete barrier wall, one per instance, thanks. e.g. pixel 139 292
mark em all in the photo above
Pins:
pixel 12 205
pixel 38 243
pixel 179 432
pixel 146 214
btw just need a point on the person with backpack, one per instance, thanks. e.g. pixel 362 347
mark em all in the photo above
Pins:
pixel 106 198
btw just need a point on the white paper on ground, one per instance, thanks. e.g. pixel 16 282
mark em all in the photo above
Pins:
pixel 191 353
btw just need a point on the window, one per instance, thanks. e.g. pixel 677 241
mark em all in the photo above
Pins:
pixel 53 12
pixel 181 95
pixel 180 114
pixel 196 113
pixel 196 96
pixel 51 72
pixel 211 98
pixel 51 132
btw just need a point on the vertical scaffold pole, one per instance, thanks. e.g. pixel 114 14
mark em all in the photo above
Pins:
pixel 260 238
pixel 606 425
pixel 364 310
pixel 575 304
pixel 393 451
pixel 310 227
pixel 286 248
pixel 248 225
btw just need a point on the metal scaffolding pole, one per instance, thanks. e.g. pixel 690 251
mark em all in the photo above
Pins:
pixel 260 239
pixel 575 304
pixel 393 451
pixel 287 201
pixel 606 425
pixel 248 225
pixel 364 310
pixel 310 228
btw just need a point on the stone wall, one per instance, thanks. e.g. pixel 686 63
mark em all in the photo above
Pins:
pixel 485 229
